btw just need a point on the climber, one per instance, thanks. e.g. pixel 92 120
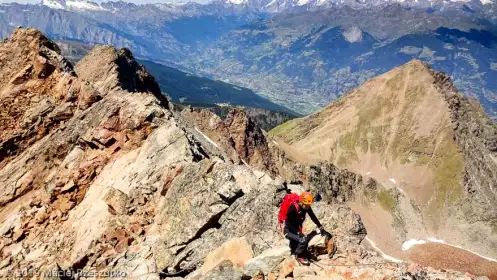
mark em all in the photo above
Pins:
pixel 292 214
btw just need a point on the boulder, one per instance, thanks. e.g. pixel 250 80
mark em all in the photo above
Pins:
pixel 287 266
pixel 316 277
pixel 117 201
pixel 6 262
pixel 317 245
pixel 295 188
pixel 301 271
pixel 259 275
pixel 51 272
pixel 10 223
pixel 321 245
pixel 236 250
pixel 272 276
pixel 267 261
pixel 224 270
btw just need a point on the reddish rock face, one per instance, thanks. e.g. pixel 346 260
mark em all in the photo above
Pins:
pixel 249 141
pixel 239 135
pixel 40 91
pixel 235 250
pixel 59 132
pixel 287 266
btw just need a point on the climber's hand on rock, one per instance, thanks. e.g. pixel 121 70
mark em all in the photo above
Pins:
pixel 324 232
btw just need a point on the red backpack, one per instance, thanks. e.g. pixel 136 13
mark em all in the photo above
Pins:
pixel 291 198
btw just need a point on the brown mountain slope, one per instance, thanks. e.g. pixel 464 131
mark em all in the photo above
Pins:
pixel 411 130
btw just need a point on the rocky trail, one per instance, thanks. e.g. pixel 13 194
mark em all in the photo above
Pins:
pixel 99 178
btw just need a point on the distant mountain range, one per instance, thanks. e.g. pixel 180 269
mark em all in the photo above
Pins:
pixel 272 6
pixel 303 61
pixel 299 54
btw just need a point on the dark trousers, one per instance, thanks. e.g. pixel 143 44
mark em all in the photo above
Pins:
pixel 296 247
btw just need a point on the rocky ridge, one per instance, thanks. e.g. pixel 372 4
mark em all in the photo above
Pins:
pixel 97 174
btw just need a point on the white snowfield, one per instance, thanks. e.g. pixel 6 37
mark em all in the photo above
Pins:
pixel 83 5
pixel 52 4
pixel 236 2
pixel 87 5
pixel 302 2
pixel 72 5
pixel 323 2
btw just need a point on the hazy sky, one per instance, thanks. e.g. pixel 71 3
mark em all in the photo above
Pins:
pixel 133 1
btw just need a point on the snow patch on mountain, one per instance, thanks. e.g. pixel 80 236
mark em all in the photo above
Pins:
pixel 302 2
pixel 52 4
pixel 411 242
pixel 236 2
pixel 72 5
pixel 83 5
pixel 353 34
pixel 271 3
pixel 410 50
pixel 207 137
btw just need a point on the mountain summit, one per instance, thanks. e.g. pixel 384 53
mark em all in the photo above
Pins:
pixel 434 150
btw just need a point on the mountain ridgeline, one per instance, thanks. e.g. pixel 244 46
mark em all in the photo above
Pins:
pixel 298 54
pixel 185 89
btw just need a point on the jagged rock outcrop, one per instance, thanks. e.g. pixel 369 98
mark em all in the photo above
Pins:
pixel 238 134
pixel 84 143
pixel 268 120
pixel 249 140
pixel 117 69
pixel 39 91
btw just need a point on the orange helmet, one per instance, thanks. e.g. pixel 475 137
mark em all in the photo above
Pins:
pixel 306 198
